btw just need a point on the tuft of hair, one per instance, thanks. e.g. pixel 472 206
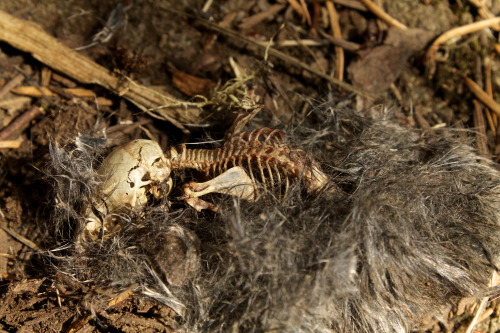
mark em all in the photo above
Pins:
pixel 73 174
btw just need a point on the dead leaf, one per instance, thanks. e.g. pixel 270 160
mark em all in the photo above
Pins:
pixel 189 84
pixel 376 71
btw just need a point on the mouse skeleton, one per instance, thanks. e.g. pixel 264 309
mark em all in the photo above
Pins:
pixel 255 163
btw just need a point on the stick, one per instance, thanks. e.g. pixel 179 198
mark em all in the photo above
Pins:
pixel 345 44
pixel 479 124
pixel 11 84
pixel 352 4
pixel 339 52
pixel 379 12
pixel 29 37
pixel 10 144
pixel 20 238
pixel 19 124
pixel 482 95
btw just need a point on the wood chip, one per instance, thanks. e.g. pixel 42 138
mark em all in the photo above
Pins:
pixel 10 144
pixel 33 91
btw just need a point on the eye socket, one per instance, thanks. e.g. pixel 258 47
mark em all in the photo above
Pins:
pixel 157 163
pixel 146 177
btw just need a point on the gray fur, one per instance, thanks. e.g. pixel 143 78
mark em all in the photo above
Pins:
pixel 419 228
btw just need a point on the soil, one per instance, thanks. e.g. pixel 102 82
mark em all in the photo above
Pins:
pixel 157 46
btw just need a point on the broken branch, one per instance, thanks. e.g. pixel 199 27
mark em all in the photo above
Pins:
pixel 29 37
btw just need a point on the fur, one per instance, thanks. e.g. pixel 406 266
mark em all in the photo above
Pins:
pixel 418 229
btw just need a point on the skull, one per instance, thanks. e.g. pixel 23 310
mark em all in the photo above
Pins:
pixel 130 172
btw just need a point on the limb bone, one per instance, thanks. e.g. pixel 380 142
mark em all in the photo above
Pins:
pixel 234 181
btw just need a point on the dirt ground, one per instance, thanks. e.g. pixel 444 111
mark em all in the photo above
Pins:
pixel 173 47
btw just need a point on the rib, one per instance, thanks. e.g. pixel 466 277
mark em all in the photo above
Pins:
pixel 263 152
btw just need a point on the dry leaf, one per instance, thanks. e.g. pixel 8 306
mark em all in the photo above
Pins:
pixel 376 71
pixel 189 84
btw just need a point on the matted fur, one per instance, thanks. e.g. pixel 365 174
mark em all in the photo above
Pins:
pixel 418 229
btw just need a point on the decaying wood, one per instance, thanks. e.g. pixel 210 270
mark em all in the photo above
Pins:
pixel 29 37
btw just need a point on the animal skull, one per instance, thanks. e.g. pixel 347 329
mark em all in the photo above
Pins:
pixel 131 170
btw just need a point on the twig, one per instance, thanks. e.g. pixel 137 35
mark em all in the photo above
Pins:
pixel 20 238
pixel 8 256
pixel 45 77
pixel 492 118
pixel 482 95
pixel 78 323
pixel 397 94
pixel 207 6
pixel 479 124
pixel 478 317
pixel 44 91
pixel 319 65
pixel 18 79
pixel 253 20
pixel 483 11
pixel 339 52
pixel 123 295
pixel 29 37
pixel 352 4
pixel 379 12
pixel 273 52
pixel 419 117
pixel 497 47
pixel 10 144
pixel 18 125
pixel 380 24
pixel 346 45
pixel 301 8
pixel 293 43
pixel 306 11
pixel 456 32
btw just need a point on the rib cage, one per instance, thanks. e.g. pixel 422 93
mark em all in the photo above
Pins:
pixel 269 160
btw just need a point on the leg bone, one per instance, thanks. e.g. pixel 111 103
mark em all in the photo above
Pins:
pixel 234 181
